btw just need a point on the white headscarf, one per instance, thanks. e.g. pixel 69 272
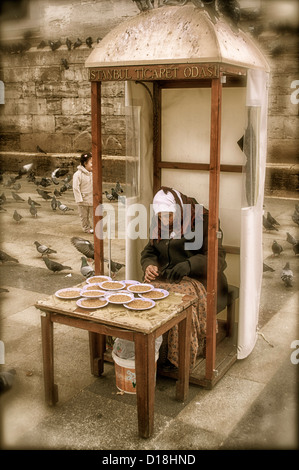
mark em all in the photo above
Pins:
pixel 165 202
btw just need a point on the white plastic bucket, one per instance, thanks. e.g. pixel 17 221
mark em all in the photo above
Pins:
pixel 125 373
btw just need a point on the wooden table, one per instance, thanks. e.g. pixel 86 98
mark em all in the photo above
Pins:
pixel 142 327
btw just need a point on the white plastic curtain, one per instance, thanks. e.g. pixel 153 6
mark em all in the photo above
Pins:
pixel 251 251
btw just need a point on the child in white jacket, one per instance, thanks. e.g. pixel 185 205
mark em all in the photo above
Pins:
pixel 83 191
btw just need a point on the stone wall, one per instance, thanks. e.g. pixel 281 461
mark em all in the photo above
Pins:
pixel 48 105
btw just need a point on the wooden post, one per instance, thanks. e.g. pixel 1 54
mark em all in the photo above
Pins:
pixel 157 136
pixel 51 389
pixel 97 175
pixel 213 226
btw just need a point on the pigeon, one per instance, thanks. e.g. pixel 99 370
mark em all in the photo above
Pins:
pixel 55 45
pixel 267 268
pixel 115 266
pixel 57 193
pixel 89 41
pixel 44 194
pixel 271 219
pixel 114 194
pixel 287 275
pixel 86 270
pixel 83 246
pixel 291 239
pixel 40 150
pixel 54 266
pixel 31 201
pixel 295 217
pixel 17 217
pixel 25 169
pixel 63 207
pixel 77 43
pixel 6 380
pixel 33 210
pixel 41 45
pixel 54 203
pixel 118 188
pixel 17 197
pixel 58 172
pixel 43 249
pixel 276 248
pixel 2 198
pixel 296 248
pixel 65 64
pixel 68 43
pixel 267 225
pixel 109 196
pixel 4 257
pixel 16 186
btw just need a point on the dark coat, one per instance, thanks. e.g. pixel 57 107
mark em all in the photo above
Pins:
pixel 166 253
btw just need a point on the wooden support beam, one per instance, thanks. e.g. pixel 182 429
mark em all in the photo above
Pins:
pixel 97 175
pixel 213 226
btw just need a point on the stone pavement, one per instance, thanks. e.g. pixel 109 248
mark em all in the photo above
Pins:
pixel 254 406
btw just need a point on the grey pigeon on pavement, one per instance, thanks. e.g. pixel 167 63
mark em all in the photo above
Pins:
pixel 109 196
pixel 267 268
pixel 268 225
pixel 295 217
pixel 296 248
pixel 31 201
pixel 17 197
pixel 63 207
pixel 271 219
pixel 276 248
pixel 33 210
pixel 291 239
pixel 115 266
pixel 54 266
pixel 86 270
pixel 4 257
pixel 43 249
pixel 287 275
pixel 17 217
pixel 54 203
pixel 44 194
pixel 83 246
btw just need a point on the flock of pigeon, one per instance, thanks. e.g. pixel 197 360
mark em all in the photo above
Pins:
pixel 271 224
pixel 61 179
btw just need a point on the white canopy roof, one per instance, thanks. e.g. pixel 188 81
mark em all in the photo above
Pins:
pixel 176 34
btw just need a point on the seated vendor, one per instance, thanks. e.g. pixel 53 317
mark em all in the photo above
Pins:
pixel 169 261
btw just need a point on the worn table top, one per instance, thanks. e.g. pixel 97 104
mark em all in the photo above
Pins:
pixel 144 321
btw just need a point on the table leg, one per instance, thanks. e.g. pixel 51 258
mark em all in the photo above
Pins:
pixel 51 389
pixel 182 385
pixel 97 347
pixel 145 368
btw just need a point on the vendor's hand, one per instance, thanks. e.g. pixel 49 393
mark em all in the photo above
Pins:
pixel 151 273
pixel 179 271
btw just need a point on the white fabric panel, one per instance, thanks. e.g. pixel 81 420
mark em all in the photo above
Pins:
pixel 251 227
pixel 137 95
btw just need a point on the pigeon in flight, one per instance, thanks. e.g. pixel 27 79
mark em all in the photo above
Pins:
pixel 4 257
pixel 43 249
pixel 83 246
pixel 54 266
pixel 276 248
pixel 287 275
pixel 58 172
pixel 86 270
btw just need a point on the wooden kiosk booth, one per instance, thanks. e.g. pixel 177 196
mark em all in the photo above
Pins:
pixel 196 115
